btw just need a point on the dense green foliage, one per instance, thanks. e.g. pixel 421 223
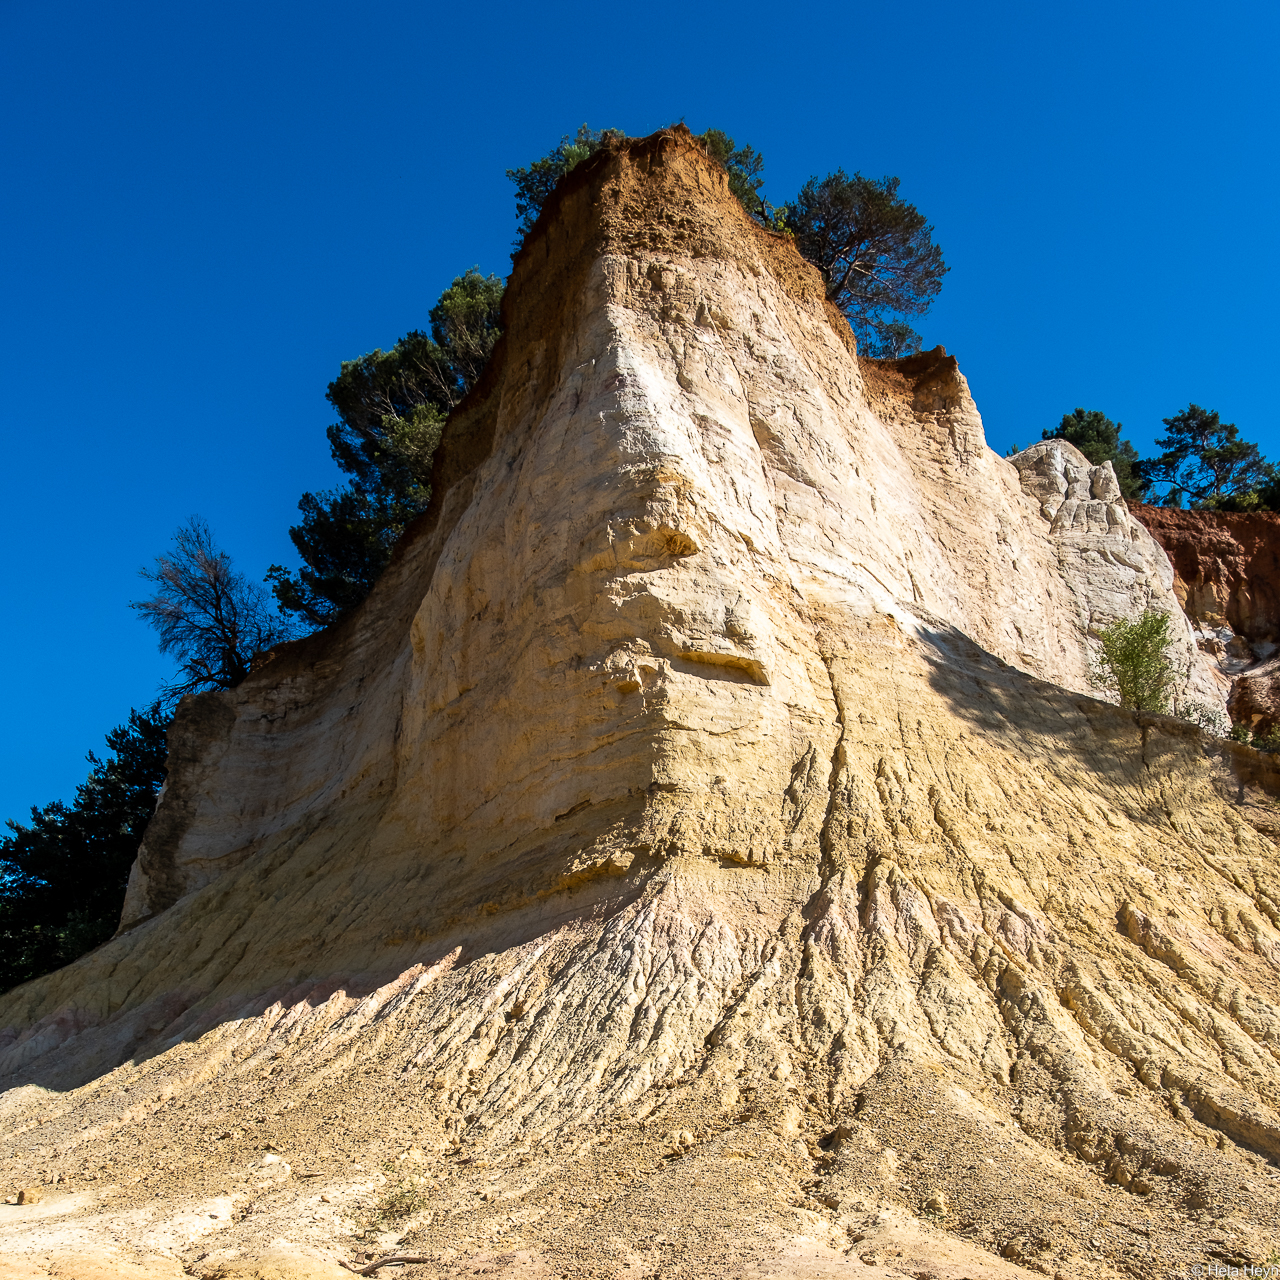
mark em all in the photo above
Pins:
pixel 63 875
pixel 1268 742
pixel 1133 662
pixel 1098 438
pixel 391 407
pixel 1205 464
pixel 875 252
pixel 210 617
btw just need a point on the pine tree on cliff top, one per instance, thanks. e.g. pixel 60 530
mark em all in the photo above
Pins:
pixel 1205 464
pixel 391 407
pixel 875 252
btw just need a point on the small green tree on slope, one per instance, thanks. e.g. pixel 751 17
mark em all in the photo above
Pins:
pixel 1132 661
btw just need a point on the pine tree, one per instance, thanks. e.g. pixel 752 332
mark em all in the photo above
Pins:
pixel 63 874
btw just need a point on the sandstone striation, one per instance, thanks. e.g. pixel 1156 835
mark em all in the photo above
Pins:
pixel 701 855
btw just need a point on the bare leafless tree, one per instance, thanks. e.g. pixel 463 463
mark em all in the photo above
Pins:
pixel 209 617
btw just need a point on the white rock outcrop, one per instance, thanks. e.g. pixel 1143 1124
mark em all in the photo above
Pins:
pixel 1108 561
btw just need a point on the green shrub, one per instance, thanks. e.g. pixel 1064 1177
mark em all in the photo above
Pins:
pixel 1208 719
pixel 1133 661
pixel 1268 742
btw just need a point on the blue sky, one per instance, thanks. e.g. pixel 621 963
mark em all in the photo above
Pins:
pixel 204 208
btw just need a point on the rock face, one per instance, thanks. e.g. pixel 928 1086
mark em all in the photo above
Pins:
pixel 1227 578
pixel 1107 559
pixel 1226 566
pixel 701 840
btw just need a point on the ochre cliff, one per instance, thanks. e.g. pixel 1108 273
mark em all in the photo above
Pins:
pixel 701 854
pixel 1226 565
pixel 1227 578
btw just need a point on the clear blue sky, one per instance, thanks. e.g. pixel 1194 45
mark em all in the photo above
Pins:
pixel 205 207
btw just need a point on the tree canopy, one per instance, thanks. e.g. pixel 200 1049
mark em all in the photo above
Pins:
pixel 1206 464
pixel 209 616
pixel 875 252
pixel 391 407
pixel 63 874
pixel 1098 438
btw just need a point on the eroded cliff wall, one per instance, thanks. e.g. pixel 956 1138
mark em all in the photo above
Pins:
pixel 1227 578
pixel 710 786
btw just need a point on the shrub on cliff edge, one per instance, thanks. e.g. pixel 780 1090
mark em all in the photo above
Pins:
pixel 536 180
